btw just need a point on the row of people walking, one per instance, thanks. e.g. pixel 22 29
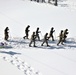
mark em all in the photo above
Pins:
pixel 62 38
pixel 35 36
pixel 42 1
pixel 49 1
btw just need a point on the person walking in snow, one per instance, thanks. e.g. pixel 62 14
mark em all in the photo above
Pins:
pixel 37 0
pixel 56 2
pixel 65 34
pixel 43 1
pixel 37 33
pixel 6 36
pixel 60 38
pixel 51 33
pixel 45 40
pixel 26 32
pixel 50 0
pixel 33 38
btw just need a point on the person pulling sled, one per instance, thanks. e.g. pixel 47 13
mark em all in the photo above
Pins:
pixel 27 32
pixel 33 39
pixel 60 38
pixel 37 33
pixel 6 36
pixel 51 33
pixel 45 40
pixel 65 35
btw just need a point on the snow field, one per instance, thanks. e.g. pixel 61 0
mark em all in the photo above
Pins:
pixel 18 57
pixel 21 65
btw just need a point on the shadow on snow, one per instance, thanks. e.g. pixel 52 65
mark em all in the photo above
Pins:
pixel 21 43
pixel 10 53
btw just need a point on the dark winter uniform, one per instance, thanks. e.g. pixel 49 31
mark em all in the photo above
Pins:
pixel 6 33
pixel 65 34
pixel 26 32
pixel 56 2
pixel 50 0
pixel 51 33
pixel 45 40
pixel 43 1
pixel 35 0
pixel 60 38
pixel 37 33
pixel 33 37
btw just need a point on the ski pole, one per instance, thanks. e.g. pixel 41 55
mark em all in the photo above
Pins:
pixel 55 34
pixel 41 35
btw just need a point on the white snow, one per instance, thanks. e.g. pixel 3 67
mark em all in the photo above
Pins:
pixel 17 58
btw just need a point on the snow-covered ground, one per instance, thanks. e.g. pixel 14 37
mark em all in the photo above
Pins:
pixel 17 58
